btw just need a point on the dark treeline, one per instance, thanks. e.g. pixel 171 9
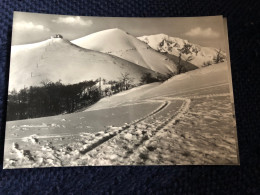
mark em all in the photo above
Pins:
pixel 51 99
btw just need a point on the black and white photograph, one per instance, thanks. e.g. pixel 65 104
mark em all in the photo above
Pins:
pixel 101 91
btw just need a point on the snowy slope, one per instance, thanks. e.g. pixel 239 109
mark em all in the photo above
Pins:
pixel 185 120
pixel 214 75
pixel 198 79
pixel 171 45
pixel 58 58
pixel 125 46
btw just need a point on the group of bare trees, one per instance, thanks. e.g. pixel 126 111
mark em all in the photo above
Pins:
pixel 124 82
pixel 149 78
pixel 218 58
pixel 51 98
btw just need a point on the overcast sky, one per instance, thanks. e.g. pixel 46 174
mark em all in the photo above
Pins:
pixel 30 27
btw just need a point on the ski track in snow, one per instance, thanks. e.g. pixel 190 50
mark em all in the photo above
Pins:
pixel 132 146
pixel 136 143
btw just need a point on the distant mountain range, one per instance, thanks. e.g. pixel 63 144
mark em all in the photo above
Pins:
pixel 195 54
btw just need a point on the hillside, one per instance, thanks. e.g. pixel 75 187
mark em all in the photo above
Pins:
pixel 58 59
pixel 121 44
pixel 172 45
pixel 176 86
pixel 187 120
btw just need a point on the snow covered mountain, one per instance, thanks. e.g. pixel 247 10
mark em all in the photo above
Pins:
pixel 193 53
pixel 58 59
pixel 121 44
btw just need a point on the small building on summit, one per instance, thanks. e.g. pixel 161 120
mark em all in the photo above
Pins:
pixel 57 36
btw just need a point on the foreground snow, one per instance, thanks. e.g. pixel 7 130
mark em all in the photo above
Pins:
pixel 186 120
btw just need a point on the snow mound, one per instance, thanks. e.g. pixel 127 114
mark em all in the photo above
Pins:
pixel 121 44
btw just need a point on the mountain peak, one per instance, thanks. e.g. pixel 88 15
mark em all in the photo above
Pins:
pixel 111 30
pixel 59 59
pixel 175 46
pixel 123 45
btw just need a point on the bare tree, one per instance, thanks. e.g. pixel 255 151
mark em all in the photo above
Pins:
pixel 126 80
pixel 219 57
pixel 181 66
pixel 46 82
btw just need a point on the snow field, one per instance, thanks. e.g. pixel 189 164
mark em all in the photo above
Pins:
pixel 76 147
pixel 192 124
pixel 149 140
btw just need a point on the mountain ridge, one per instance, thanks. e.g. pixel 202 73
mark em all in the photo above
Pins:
pixel 121 44
pixel 59 59
pixel 194 53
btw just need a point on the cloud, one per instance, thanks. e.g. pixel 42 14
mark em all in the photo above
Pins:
pixel 73 20
pixel 198 32
pixel 23 25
